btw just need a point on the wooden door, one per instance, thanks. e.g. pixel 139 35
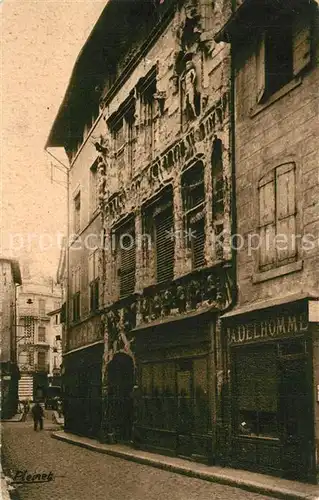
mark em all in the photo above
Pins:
pixel 185 413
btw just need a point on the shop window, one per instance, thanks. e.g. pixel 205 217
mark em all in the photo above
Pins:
pixel 126 258
pixel 77 212
pixel 94 280
pixel 277 217
pixel 256 391
pixel 284 51
pixel 194 212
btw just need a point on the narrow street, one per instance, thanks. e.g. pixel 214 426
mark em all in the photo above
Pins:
pixel 80 474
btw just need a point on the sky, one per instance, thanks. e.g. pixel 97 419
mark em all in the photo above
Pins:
pixel 41 40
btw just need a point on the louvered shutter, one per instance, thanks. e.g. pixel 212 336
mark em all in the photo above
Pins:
pixel 164 225
pixel 128 264
pixel 301 43
pixel 198 243
pixel 261 68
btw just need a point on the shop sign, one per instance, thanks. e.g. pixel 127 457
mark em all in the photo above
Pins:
pixel 313 306
pixel 279 326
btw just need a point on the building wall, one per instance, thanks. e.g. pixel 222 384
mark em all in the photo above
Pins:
pixel 129 189
pixel 280 129
pixel 266 136
pixel 7 298
pixel 55 353
pixel 28 348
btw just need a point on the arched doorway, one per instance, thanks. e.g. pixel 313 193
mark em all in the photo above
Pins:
pixel 120 402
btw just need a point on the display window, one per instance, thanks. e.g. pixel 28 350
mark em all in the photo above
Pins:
pixel 255 391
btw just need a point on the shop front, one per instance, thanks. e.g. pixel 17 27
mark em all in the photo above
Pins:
pixel 82 390
pixel 270 357
pixel 175 394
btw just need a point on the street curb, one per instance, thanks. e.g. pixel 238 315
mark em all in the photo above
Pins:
pixel 215 477
pixel 17 418
pixel 58 420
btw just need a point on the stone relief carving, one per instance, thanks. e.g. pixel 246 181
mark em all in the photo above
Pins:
pixel 189 91
pixel 161 170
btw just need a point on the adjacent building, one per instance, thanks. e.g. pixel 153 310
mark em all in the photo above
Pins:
pixel 10 279
pixel 55 352
pixel 36 341
pixel 271 336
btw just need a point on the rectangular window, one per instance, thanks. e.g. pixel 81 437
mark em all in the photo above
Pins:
pixel 148 113
pixel 94 280
pixel 77 213
pixel 93 188
pixel 194 212
pixel 164 242
pixel 42 305
pixel 131 139
pixel 277 216
pixel 41 334
pixel 126 258
pixel 123 130
pixel 284 51
pixel 76 294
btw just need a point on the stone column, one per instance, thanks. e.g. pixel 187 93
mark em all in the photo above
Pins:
pixel 210 254
pixel 227 176
pixel 179 255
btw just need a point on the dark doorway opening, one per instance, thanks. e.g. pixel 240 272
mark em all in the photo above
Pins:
pixel 120 401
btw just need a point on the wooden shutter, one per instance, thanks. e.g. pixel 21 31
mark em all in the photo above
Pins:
pixel 128 263
pixel 267 220
pixel 198 243
pixel 301 42
pixel 286 209
pixel 164 226
pixel 261 67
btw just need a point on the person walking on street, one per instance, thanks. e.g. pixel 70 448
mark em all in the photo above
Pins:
pixel 37 414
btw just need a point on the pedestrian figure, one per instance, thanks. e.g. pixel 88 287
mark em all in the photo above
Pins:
pixel 38 414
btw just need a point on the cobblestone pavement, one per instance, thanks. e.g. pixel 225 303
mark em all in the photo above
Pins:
pixel 81 474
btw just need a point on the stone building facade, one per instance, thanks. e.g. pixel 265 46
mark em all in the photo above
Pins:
pixel 10 279
pixel 165 198
pixel 271 337
pixel 155 134
pixel 35 341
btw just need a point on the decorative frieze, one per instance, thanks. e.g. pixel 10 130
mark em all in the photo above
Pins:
pixel 212 287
